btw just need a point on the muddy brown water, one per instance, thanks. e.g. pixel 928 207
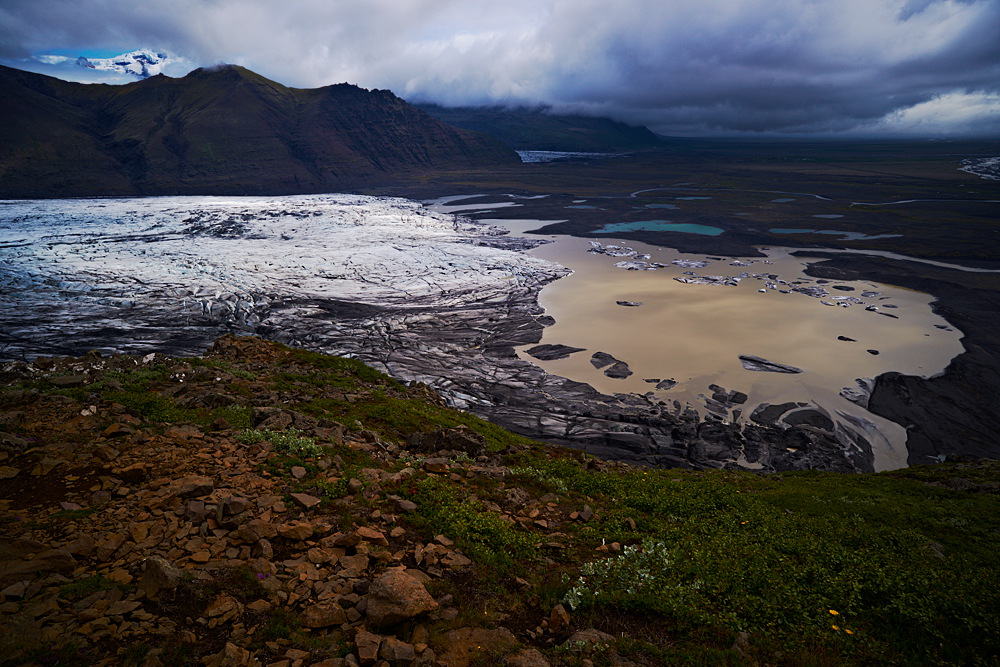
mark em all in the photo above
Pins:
pixel 694 334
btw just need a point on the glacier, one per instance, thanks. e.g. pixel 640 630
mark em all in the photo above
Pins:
pixel 425 296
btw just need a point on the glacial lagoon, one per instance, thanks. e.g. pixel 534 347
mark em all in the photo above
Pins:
pixel 673 327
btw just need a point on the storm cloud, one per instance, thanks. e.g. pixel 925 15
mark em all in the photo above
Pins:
pixel 923 67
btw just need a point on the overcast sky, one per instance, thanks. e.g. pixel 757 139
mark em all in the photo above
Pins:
pixel 682 67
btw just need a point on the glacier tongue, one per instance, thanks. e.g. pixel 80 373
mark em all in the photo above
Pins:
pixel 422 295
pixel 171 273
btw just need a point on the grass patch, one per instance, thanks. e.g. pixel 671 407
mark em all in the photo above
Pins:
pixel 290 441
pixel 908 568
pixel 481 533
pixel 395 416
pixel 81 588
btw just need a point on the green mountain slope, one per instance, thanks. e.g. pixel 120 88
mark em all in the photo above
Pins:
pixel 224 130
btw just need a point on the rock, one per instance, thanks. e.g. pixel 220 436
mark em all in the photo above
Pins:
pixel 6 472
pixel 367 645
pixel 846 339
pixel 602 359
pixel 438 465
pixel 231 656
pixel 396 597
pixel 584 637
pixel 305 501
pixel 276 419
pixel 406 506
pixel 117 430
pixel 257 529
pixel 455 559
pixel 632 304
pixel 459 438
pixel 752 363
pixel 559 618
pixel 371 535
pixel 396 651
pixel 298 472
pixel 259 606
pixel 873 352
pixel 67 381
pixel 619 370
pixel 82 546
pixel 196 512
pixel 122 607
pixel 46 465
pixel 297 530
pixel 191 486
pixel 319 616
pixel 158 574
pixel 527 657
pixel 110 545
pixel 553 352
pixel 48 560
pixel 220 605
pixel 235 505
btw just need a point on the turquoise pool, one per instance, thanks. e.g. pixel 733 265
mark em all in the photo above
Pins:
pixel 659 226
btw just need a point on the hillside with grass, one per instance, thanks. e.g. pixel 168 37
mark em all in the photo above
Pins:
pixel 268 505
pixel 221 130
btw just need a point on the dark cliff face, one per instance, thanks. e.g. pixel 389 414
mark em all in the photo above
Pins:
pixel 536 129
pixel 225 130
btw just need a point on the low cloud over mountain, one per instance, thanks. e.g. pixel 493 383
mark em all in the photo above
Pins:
pixel 679 67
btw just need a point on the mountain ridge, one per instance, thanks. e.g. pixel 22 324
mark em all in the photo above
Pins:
pixel 220 130
pixel 539 129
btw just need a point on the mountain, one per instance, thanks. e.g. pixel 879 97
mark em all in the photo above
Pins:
pixel 141 64
pixel 537 129
pixel 224 130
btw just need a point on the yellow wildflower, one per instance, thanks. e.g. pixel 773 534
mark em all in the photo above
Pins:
pixel 835 612
pixel 835 627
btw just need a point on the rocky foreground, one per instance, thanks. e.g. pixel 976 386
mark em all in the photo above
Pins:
pixel 267 505
pixel 163 543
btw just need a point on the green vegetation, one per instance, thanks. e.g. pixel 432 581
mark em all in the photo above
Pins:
pixel 290 441
pixel 77 590
pixel 857 568
pixel 492 542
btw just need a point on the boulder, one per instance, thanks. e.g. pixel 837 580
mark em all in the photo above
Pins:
pixel 158 574
pixel 322 616
pixel 752 363
pixel 396 597
pixel 191 486
pixel 231 656
pixel 459 438
pixel 397 652
pixel 553 352
pixel 582 638
pixel 367 645
pixel 48 560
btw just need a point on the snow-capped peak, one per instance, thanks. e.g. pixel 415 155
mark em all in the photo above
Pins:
pixel 143 63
